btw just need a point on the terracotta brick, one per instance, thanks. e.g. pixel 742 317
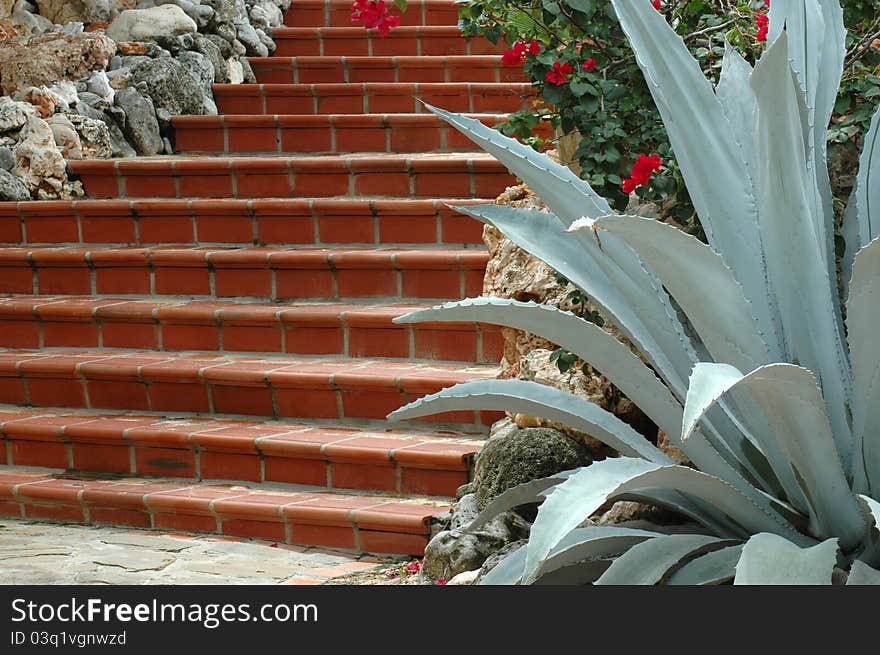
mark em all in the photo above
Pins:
pixel 14 279
pixel 64 281
pixel 179 397
pixel 11 510
pixel 390 542
pixel 370 403
pixel 39 453
pixel 110 516
pixel 174 281
pixel 46 227
pixel 346 475
pixel 323 535
pixel 130 335
pixel 373 342
pixel 263 138
pixel 320 185
pixel 53 393
pixel 190 337
pixel 296 471
pixel 356 283
pixel 117 394
pixel 253 401
pixel 431 284
pixel 235 282
pixel 268 530
pixel 112 281
pixel 453 345
pixel 307 403
pixel 189 522
pixel 230 466
pixel 432 483
pixel 67 513
pixel 303 284
pixel 95 457
pixel 19 334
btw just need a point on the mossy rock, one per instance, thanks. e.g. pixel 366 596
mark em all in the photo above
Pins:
pixel 521 455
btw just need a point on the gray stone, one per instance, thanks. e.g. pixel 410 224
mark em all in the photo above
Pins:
pixel 66 136
pixel 200 13
pixel 66 11
pixel 29 23
pixel 7 159
pixel 148 24
pixel 200 69
pixel 266 14
pixel 135 561
pixel 119 147
pixel 11 188
pixel 211 51
pixel 99 84
pixel 170 86
pixel 522 455
pixel 247 73
pixel 141 127
pixel 267 41
pixel 248 36
pixel 455 551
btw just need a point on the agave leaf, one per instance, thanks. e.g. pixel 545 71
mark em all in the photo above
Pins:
pixel 544 236
pixel 699 281
pixel 574 500
pixel 795 252
pixel 508 571
pixel 532 491
pixel 581 573
pixel 770 559
pixel 861 221
pixel 589 488
pixel 789 398
pixel 588 341
pixel 738 103
pixel 593 542
pixel 863 316
pixel 650 562
pixel 568 196
pixel 705 148
pixel 871 512
pixel 862 574
pixel 537 399
pixel 688 506
pixel 715 567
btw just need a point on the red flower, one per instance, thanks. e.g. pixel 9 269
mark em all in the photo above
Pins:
pixel 559 74
pixel 641 172
pixel 656 4
pixel 374 14
pixel 590 64
pixel 763 22
pixel 415 566
pixel 441 581
pixel 517 54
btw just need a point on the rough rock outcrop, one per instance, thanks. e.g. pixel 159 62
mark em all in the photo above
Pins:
pixel 149 24
pixel 169 86
pixel 140 127
pixel 11 188
pixel 77 11
pixel 39 162
pixel 65 135
pixel 46 59
pixel 94 137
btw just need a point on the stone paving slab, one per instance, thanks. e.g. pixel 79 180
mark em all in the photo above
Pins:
pixel 49 553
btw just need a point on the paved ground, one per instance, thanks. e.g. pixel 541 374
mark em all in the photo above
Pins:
pixel 46 553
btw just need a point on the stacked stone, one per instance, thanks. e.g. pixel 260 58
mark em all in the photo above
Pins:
pixel 103 78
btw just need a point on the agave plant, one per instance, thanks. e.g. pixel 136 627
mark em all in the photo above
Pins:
pixel 786 476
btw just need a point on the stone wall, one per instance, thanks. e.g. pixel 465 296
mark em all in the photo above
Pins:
pixel 103 78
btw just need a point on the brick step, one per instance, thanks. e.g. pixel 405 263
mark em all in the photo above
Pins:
pixel 277 221
pixel 372 97
pixel 458 175
pixel 420 40
pixel 268 386
pixel 337 13
pixel 244 451
pixel 263 273
pixel 447 68
pixel 349 521
pixel 234 327
pixel 323 134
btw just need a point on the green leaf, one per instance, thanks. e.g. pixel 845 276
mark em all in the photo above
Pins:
pixel 580 88
pixel 770 559
pixel 400 4
pixel 651 561
pixel 521 494
pixel 593 542
pixel 861 222
pixel 536 399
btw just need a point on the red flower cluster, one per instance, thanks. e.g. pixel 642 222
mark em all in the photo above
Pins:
pixel 517 54
pixel 590 64
pixel 559 74
pixel 641 172
pixel 656 4
pixel 374 13
pixel 763 26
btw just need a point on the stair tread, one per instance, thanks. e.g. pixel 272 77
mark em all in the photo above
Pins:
pixel 325 119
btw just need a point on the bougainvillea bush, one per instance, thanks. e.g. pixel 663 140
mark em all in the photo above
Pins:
pixel 586 72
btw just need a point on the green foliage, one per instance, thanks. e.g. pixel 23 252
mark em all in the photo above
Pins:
pixel 786 456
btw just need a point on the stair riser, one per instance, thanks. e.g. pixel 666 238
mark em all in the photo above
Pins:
pixel 226 135
pixel 368 98
pixel 271 180
pixel 361 43
pixel 337 13
pixel 281 70
pixel 471 344
pixel 238 222
pixel 358 524
pixel 292 283
pixel 199 464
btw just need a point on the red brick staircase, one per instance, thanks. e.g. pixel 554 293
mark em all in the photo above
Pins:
pixel 205 344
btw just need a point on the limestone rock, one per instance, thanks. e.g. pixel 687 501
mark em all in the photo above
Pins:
pixel 455 551
pixel 170 87
pixel 11 188
pixel 14 115
pixel 200 13
pixel 44 60
pixel 40 98
pixel 519 455
pixel 66 136
pixel 39 162
pixel 266 14
pixel 464 578
pixel 246 33
pixel 6 7
pixel 94 137
pixel 82 11
pixel 28 24
pixel 148 24
pixel 234 71
pixel 99 84
pixel 200 69
pixel 211 51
